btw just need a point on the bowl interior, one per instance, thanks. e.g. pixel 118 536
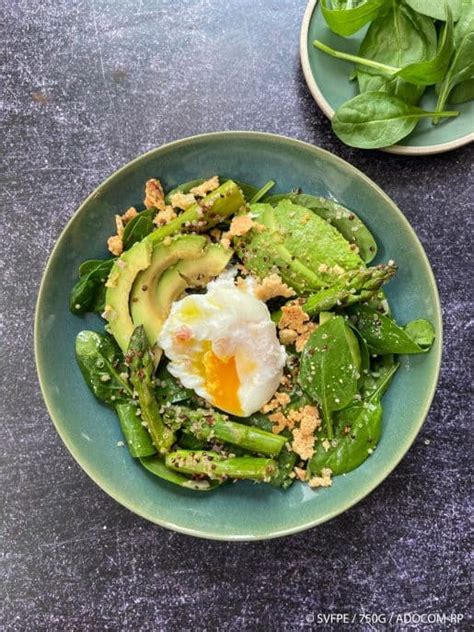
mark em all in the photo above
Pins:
pixel 90 430
pixel 330 85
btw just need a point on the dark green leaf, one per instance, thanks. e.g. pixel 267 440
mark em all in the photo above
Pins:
pixel 383 336
pixel 461 67
pixel 346 18
pixel 88 292
pixel 436 8
pixel 462 93
pixel 101 364
pixel 425 73
pixel 138 228
pixel 248 190
pixel 398 38
pixel 330 364
pixel 358 430
pixel 377 119
pixel 169 390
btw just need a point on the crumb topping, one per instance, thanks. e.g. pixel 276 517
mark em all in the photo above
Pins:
pixel 271 287
pixel 295 326
pixel 115 243
pixel 303 436
pixel 154 195
pixel 182 200
pixel 322 481
pixel 279 400
pixel 206 187
pixel 164 216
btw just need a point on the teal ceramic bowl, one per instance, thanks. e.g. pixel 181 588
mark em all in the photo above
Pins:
pixel 328 81
pixel 243 511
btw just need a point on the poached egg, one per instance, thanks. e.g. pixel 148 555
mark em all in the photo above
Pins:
pixel 224 345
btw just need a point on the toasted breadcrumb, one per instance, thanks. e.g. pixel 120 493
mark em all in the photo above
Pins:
pixel 129 214
pixel 240 225
pixel 154 195
pixel 279 421
pixel 182 200
pixel 115 245
pixel 300 473
pixel 295 326
pixel 326 445
pixel 206 187
pixel 164 216
pixel 225 240
pixel 288 336
pixel 321 481
pixel 271 287
pixel 279 400
pixel 303 436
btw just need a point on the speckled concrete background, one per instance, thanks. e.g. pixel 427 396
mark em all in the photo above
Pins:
pixel 88 85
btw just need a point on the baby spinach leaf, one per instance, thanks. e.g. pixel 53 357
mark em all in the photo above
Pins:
pixel 425 73
pixel 330 364
pixel 398 38
pixel 422 73
pixel 436 8
pixel 88 293
pixel 462 93
pixel 348 17
pixel 377 119
pixel 170 390
pixel 461 67
pixel 346 221
pixel 383 335
pixel 358 430
pixel 102 366
pixel 138 228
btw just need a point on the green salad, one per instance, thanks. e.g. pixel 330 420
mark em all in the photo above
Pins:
pixel 247 336
pixel 409 46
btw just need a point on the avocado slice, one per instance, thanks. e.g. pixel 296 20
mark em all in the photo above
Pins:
pixel 308 253
pixel 119 285
pixel 143 304
pixel 188 274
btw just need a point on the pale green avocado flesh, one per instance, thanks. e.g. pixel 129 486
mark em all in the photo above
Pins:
pixel 119 285
pixel 308 253
pixel 143 304
pixel 190 274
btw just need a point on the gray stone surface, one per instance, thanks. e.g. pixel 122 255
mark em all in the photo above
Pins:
pixel 88 85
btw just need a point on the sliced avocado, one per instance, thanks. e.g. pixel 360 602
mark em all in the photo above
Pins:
pixel 190 273
pixel 143 304
pixel 308 253
pixel 119 284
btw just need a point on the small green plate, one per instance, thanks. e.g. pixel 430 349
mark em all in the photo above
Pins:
pixel 243 511
pixel 328 81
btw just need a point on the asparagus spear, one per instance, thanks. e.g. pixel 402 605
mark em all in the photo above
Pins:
pixel 219 204
pixel 137 438
pixel 354 286
pixel 140 361
pixel 206 425
pixel 217 466
pixel 156 466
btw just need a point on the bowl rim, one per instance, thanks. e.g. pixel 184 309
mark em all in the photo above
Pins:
pixel 97 476
pixel 324 105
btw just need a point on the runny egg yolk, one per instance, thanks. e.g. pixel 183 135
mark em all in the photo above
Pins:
pixel 222 380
